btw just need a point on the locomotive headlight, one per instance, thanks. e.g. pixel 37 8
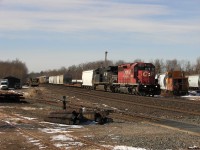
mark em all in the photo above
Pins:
pixel 145 86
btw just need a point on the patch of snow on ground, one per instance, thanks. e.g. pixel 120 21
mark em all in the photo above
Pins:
pixel 127 148
pixel 88 136
pixel 63 125
pixel 65 142
pixel 28 108
pixel 193 147
pixel 105 105
pixel 61 138
pixel 114 108
pixel 34 141
pixel 122 147
pixel 6 107
pixel 13 119
pixel 191 97
pixel 27 118
pixel 50 130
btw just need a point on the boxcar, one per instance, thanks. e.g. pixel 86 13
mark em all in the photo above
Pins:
pixel 87 79
pixel 194 82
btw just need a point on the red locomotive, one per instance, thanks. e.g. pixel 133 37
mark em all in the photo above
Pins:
pixel 136 78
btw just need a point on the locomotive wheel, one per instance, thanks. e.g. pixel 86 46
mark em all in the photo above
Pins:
pixel 112 89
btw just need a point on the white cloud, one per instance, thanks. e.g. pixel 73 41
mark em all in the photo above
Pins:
pixel 79 15
pixel 64 16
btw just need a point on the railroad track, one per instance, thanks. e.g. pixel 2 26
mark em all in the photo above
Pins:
pixel 175 105
pixel 55 92
pixel 45 141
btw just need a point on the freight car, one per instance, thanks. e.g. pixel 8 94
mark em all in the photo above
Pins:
pixel 174 82
pixel 33 82
pixel 60 79
pixel 43 79
pixel 133 78
pixel 100 77
pixel 194 82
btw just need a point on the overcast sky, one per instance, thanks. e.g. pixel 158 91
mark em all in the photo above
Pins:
pixel 50 34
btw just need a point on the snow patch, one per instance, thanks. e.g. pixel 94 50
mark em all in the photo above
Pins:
pixel 127 148
pixel 61 138
pixel 6 107
pixel 88 136
pixel 31 108
pixel 50 130
pixel 27 118
pixel 34 142
pixel 63 125
pixel 105 105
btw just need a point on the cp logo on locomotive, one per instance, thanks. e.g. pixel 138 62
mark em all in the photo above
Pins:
pixel 145 74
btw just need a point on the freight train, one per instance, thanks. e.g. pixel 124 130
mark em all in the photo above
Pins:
pixel 133 78
pixel 174 82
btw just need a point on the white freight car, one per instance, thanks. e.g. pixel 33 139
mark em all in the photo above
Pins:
pixel 194 81
pixel 54 79
pixel 162 81
pixel 61 79
pixel 87 78
pixel 51 79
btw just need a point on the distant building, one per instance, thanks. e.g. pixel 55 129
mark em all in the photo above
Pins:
pixel 13 82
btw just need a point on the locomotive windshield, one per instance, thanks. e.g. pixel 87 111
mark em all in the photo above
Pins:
pixel 147 68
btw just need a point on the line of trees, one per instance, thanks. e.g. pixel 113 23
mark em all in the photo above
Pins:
pixel 19 70
pixel 14 68
pixel 161 66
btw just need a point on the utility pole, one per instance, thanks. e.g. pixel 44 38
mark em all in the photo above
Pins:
pixel 106 62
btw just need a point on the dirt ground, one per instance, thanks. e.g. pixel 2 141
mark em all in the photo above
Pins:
pixel 22 126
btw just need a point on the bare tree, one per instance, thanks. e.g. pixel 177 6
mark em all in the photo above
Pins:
pixel 197 67
pixel 119 62
pixel 172 65
pixel 14 68
pixel 138 60
pixel 159 66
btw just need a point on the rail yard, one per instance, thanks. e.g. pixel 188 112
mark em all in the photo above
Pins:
pixel 136 122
